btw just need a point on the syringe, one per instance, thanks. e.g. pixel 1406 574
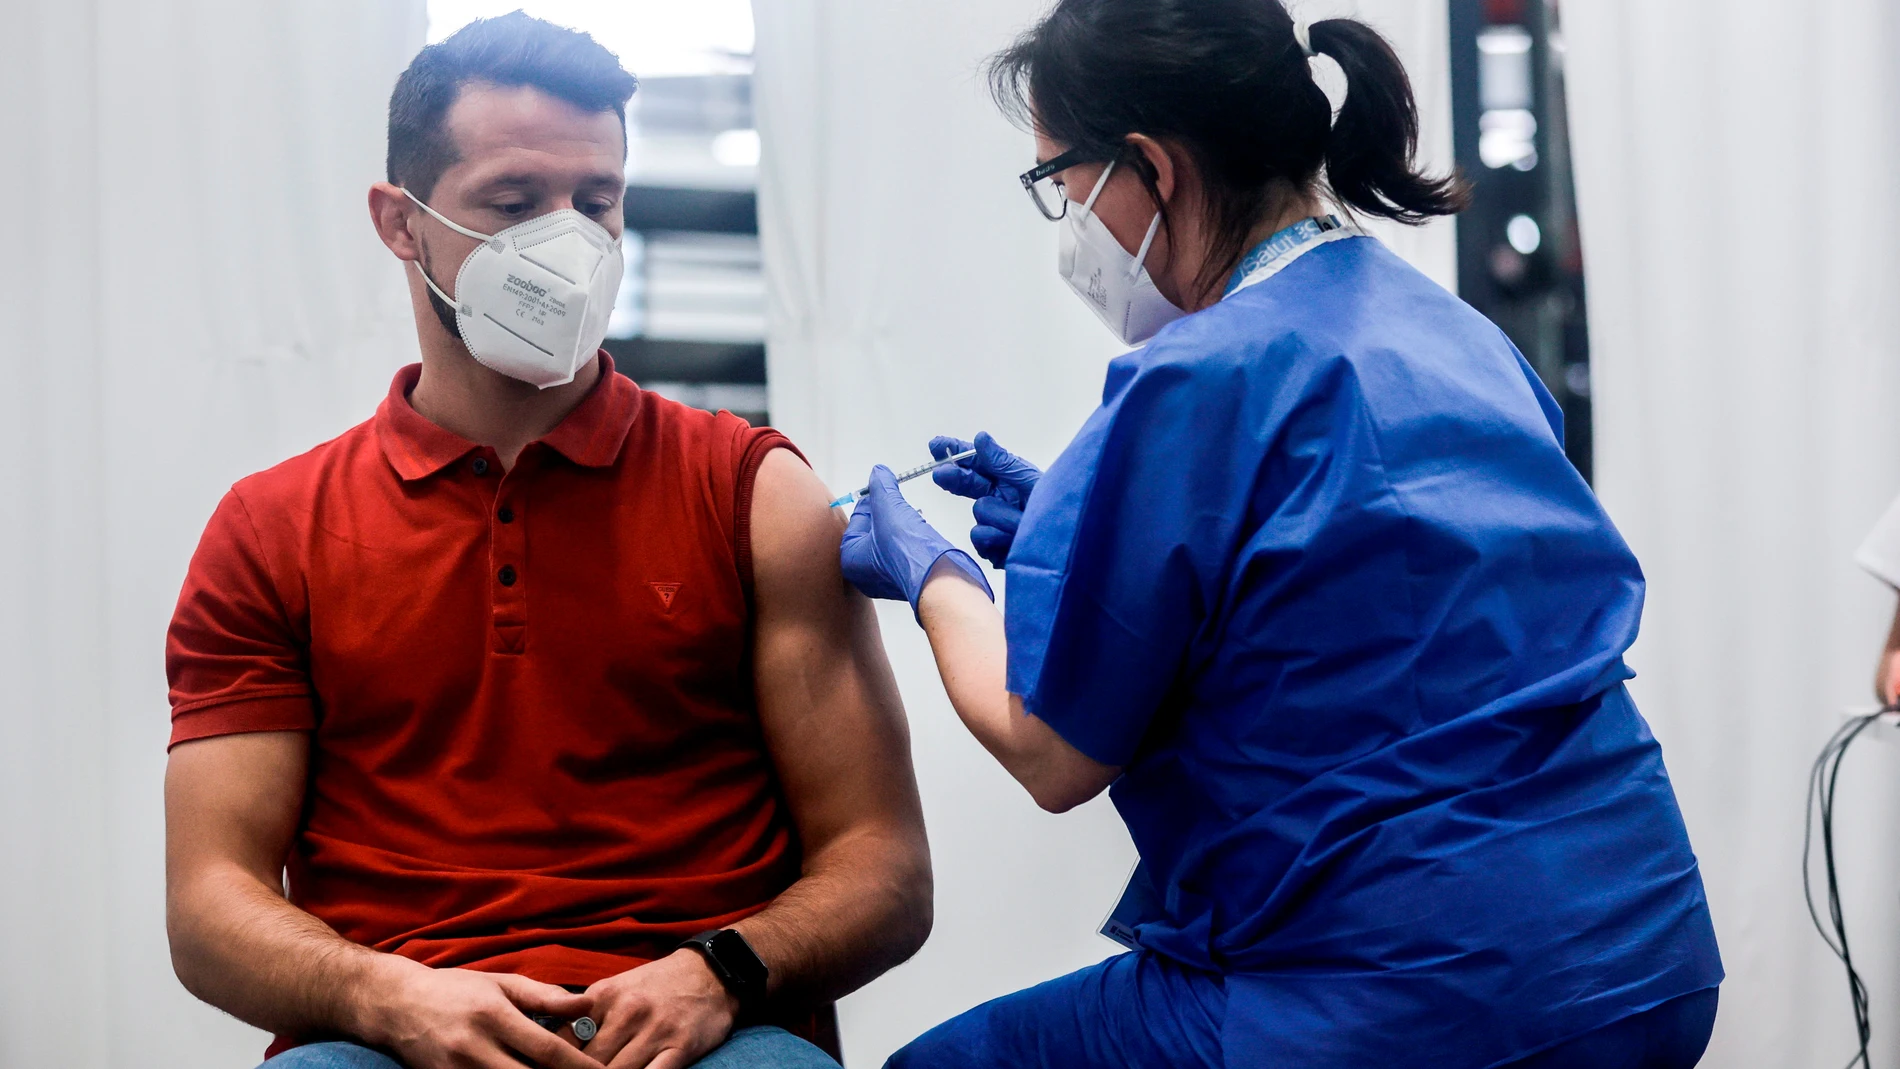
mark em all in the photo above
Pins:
pixel 917 472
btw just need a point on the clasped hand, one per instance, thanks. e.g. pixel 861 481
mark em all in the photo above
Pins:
pixel 665 1015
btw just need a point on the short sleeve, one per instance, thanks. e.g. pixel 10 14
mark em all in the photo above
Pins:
pixel 233 659
pixel 752 445
pixel 1880 553
pixel 1122 553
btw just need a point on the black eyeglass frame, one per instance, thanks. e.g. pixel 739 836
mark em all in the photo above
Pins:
pixel 1075 157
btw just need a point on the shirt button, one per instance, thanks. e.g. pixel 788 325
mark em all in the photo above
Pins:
pixel 507 575
pixel 506 515
pixel 481 465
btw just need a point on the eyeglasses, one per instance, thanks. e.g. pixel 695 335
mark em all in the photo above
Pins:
pixel 1047 190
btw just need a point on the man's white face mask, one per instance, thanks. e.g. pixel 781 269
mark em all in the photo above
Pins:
pixel 1109 280
pixel 533 301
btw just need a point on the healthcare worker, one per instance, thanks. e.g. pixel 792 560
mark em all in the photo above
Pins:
pixel 1315 595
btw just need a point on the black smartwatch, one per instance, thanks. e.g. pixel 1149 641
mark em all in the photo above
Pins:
pixel 733 961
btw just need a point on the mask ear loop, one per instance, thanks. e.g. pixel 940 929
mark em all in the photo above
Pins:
pixel 1088 208
pixel 460 308
pixel 489 239
pixel 450 223
pixel 1141 258
pixel 1101 183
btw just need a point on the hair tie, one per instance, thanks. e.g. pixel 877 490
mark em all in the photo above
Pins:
pixel 1303 35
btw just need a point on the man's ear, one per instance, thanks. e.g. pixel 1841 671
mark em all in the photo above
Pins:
pixel 393 214
pixel 1159 161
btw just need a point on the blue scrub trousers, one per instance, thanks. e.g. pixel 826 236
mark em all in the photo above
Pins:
pixel 1142 1010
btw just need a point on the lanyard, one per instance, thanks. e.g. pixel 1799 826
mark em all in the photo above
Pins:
pixel 1278 252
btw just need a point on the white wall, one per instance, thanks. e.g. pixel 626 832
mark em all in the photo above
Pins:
pixel 913 292
pixel 192 292
pixel 1736 163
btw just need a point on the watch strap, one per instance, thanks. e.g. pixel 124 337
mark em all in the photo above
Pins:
pixel 734 962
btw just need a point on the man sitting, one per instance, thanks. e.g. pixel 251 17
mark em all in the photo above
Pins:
pixel 534 677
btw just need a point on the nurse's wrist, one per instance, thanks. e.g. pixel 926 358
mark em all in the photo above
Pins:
pixel 955 566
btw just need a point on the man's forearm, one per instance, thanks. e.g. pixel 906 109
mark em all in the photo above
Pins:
pixel 237 944
pixel 862 907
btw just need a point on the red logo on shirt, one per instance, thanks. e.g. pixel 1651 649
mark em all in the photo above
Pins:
pixel 666 592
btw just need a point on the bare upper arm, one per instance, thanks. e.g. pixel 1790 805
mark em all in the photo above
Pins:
pixel 827 698
pixel 234 799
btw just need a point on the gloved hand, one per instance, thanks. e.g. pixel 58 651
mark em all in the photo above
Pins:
pixel 999 481
pixel 889 549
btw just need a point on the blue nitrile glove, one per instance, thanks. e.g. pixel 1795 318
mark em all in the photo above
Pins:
pixel 889 548
pixel 999 481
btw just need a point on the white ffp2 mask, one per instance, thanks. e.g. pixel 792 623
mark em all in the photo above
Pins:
pixel 533 301
pixel 1109 280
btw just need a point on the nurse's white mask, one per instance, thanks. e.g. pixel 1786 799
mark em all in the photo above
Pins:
pixel 533 301
pixel 1109 280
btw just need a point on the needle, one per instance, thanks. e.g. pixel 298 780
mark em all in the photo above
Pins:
pixel 905 476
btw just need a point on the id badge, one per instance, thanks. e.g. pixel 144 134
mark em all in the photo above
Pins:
pixel 1139 904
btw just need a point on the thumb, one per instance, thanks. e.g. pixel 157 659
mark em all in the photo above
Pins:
pixel 960 478
pixel 885 492
pixel 892 511
pixel 944 446
pixel 860 522
pixel 1003 466
pixel 533 996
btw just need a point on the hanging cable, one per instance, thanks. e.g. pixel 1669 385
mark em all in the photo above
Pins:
pixel 1822 780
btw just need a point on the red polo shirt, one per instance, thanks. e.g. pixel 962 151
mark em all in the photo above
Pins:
pixel 534 741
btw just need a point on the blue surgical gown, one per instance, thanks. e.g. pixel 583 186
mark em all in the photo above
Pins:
pixel 1319 576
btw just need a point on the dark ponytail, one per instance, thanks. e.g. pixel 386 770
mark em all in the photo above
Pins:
pixel 1371 152
pixel 1226 81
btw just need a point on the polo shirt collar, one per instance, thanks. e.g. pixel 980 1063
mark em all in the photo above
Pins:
pixel 591 435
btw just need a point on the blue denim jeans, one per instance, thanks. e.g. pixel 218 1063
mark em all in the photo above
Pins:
pixel 749 1048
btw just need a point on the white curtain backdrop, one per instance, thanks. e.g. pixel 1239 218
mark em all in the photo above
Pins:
pixel 192 292
pixel 913 292
pixel 1736 163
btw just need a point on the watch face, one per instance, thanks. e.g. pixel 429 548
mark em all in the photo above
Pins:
pixel 738 959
